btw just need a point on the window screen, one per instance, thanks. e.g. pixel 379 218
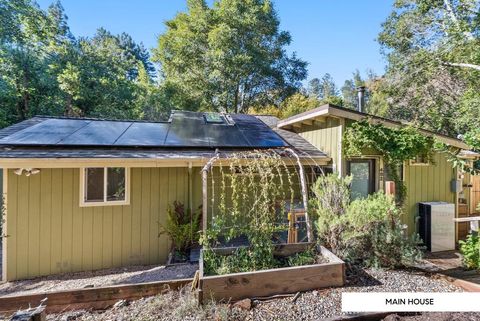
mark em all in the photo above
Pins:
pixel 94 178
pixel 104 185
pixel 116 184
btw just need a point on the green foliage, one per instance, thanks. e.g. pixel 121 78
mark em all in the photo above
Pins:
pixel 182 227
pixel 230 56
pixel 45 70
pixel 366 231
pixel 470 249
pixel 245 259
pixel 303 258
pixel 332 197
pixel 395 145
pixel 432 77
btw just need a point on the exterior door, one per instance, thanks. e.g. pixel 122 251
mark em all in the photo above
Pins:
pixel 363 181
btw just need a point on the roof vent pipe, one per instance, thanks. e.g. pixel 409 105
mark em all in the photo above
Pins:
pixel 361 99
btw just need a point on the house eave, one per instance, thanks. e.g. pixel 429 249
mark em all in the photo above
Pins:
pixel 340 112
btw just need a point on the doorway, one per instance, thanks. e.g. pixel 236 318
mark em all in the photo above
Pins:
pixel 363 181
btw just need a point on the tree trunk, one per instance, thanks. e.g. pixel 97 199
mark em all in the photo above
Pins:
pixel 463 65
pixel 235 101
pixel 68 106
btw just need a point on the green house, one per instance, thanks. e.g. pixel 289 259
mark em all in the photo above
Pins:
pixel 425 181
pixel 87 194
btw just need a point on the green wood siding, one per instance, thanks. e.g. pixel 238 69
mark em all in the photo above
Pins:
pixel 427 184
pixel 326 136
pixel 48 232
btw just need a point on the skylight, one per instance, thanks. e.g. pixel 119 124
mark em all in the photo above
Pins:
pixel 214 118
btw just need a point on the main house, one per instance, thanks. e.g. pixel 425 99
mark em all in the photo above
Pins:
pixel 86 194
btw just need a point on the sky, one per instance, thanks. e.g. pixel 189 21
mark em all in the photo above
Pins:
pixel 334 36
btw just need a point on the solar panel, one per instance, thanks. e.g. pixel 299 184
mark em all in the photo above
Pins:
pixel 187 130
pixel 225 136
pixel 48 132
pixel 144 134
pixel 257 132
pixel 97 133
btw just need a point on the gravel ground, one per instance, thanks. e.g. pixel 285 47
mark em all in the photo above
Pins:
pixel 70 281
pixel 311 305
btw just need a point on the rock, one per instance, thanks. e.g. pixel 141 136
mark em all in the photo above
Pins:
pixel 119 304
pixel 245 304
pixel 88 286
pixel 72 315
pixel 315 292
pixel 392 317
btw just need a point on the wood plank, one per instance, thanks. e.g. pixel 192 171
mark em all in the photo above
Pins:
pixel 117 218
pixel 236 286
pixel 97 238
pixel 135 257
pixel 164 198
pixel 145 215
pixel 107 234
pixel 12 217
pixel 269 282
pixel 67 222
pixel 56 228
pixel 34 225
pixel 87 236
pixel 154 255
pixel 94 298
pixel 22 227
pixel 77 224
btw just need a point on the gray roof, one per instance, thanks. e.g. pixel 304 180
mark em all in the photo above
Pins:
pixel 290 139
pixel 184 129
pixel 301 145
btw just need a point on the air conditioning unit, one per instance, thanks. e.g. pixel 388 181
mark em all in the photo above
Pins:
pixel 437 226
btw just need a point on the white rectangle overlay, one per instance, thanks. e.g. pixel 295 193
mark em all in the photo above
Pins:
pixel 411 302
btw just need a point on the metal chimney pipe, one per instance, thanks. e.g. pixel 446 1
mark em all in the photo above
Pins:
pixel 361 99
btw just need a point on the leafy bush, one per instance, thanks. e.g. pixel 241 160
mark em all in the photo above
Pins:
pixel 245 259
pixel 366 231
pixel 332 197
pixel 470 249
pixel 182 226
pixel 302 258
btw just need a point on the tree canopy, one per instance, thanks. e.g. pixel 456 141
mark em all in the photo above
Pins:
pixel 232 56
pixel 229 57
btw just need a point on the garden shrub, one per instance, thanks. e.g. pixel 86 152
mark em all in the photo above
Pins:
pixel 182 227
pixel 366 231
pixel 470 249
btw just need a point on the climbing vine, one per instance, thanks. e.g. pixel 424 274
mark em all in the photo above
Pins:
pixel 395 145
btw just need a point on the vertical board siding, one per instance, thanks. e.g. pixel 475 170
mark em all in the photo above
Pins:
pixel 49 233
pixel 427 184
pixel 325 136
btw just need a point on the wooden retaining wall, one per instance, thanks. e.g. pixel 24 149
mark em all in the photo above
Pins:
pixel 91 298
pixel 236 286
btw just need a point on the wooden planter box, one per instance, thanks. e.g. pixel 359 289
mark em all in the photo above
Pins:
pixel 237 286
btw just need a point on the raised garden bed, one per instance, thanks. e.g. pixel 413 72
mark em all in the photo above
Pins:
pixel 237 286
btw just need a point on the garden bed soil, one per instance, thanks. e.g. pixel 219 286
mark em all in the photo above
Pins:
pixel 237 286
pixel 116 276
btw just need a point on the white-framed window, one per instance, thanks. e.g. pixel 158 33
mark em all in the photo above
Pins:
pixel 420 160
pixel 103 186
